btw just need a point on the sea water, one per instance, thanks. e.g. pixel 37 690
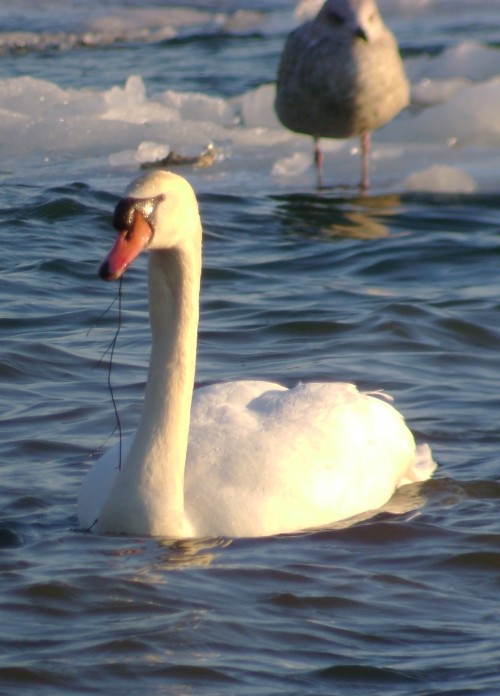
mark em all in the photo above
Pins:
pixel 396 290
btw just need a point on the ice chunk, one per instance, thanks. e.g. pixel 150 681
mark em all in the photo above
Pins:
pixel 256 107
pixel 470 117
pixel 431 92
pixel 298 163
pixel 145 152
pixel 468 59
pixel 30 96
pixel 198 107
pixel 130 21
pixel 440 179
pixel 130 104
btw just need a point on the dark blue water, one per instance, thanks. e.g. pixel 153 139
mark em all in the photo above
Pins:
pixel 397 290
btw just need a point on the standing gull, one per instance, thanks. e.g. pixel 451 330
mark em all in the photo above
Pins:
pixel 341 76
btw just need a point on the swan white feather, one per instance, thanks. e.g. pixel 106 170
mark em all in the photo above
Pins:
pixel 247 458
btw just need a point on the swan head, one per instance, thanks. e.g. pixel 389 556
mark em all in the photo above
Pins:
pixel 158 211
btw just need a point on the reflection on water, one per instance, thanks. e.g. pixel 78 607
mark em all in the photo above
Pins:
pixel 325 217
pixel 193 553
pixel 154 559
pixel 358 226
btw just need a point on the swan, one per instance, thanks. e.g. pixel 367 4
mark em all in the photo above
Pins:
pixel 244 458
pixel 340 76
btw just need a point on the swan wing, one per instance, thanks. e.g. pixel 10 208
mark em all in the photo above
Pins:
pixel 264 459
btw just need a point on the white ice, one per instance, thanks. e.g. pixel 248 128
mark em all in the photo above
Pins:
pixel 448 139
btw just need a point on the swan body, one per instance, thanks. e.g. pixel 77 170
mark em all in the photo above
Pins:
pixel 247 458
pixel 341 76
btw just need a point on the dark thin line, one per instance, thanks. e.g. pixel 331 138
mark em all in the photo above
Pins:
pixel 89 529
pixel 101 316
pixel 110 367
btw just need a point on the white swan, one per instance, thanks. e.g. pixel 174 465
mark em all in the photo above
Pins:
pixel 261 459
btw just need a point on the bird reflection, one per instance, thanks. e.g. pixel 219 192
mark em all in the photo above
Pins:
pixel 157 555
pixel 327 217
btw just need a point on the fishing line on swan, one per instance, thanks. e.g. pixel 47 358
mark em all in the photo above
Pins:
pixel 110 367
pixel 111 350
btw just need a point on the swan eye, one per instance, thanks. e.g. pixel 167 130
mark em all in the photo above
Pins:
pixel 126 208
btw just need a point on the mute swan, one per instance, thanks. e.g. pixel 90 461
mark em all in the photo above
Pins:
pixel 261 459
pixel 341 76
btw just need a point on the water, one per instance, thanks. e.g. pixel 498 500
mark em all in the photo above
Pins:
pixel 398 290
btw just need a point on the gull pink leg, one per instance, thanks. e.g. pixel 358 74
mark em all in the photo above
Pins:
pixel 318 163
pixel 365 160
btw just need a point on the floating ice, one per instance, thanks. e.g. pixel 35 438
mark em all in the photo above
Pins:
pixel 440 179
pixel 164 19
pixel 30 97
pixel 470 117
pixel 256 107
pixel 452 123
pixel 131 105
pixel 120 24
pixel 298 163
pixel 431 92
pixel 198 107
pixel 145 152
pixel 468 60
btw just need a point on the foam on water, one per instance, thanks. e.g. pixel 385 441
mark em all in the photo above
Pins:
pixel 123 24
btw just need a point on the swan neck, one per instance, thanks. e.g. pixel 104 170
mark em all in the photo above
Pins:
pixel 149 493
pixel 174 283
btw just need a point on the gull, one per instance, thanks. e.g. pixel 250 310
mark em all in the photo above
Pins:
pixel 340 76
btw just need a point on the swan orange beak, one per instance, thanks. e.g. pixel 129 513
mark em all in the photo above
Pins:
pixel 127 247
